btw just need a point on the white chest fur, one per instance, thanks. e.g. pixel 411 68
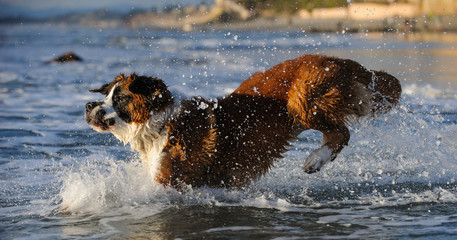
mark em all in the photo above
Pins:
pixel 151 159
pixel 149 139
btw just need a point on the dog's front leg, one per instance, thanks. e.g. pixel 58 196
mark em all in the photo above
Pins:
pixel 333 141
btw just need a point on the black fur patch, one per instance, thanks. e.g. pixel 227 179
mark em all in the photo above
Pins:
pixel 120 103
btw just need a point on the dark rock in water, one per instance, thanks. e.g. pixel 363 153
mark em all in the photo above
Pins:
pixel 66 57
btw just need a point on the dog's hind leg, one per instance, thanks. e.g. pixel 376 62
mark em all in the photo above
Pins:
pixel 333 141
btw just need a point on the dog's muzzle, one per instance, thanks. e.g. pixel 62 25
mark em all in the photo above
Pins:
pixel 95 117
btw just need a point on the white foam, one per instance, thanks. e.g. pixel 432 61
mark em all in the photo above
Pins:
pixel 92 188
pixel 428 91
pixel 7 76
pixel 230 229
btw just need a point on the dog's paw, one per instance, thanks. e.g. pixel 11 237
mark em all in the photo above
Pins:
pixel 317 159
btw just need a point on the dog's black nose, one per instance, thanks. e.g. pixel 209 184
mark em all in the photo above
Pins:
pixel 91 105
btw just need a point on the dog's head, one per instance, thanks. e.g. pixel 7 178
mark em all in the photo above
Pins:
pixel 128 100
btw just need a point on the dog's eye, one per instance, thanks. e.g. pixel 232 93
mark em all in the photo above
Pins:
pixel 120 99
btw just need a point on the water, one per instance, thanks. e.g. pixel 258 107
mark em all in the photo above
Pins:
pixel 396 179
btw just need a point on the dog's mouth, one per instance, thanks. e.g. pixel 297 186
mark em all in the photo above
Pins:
pixel 96 118
pixel 100 126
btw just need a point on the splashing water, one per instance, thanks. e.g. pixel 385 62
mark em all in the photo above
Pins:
pixel 59 179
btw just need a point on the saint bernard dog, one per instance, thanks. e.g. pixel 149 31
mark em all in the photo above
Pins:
pixel 235 139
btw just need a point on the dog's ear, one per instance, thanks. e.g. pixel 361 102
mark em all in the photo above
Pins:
pixel 104 89
pixel 143 85
pixel 154 91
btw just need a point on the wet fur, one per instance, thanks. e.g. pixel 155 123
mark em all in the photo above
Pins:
pixel 235 139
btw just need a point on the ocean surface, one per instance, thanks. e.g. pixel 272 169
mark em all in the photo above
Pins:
pixel 61 180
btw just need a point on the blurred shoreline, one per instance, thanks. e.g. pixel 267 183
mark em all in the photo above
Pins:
pixel 227 15
pixel 395 24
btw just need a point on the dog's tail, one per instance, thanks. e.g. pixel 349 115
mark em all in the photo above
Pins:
pixel 333 94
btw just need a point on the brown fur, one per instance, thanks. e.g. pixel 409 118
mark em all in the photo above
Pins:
pixel 228 145
pixel 236 139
